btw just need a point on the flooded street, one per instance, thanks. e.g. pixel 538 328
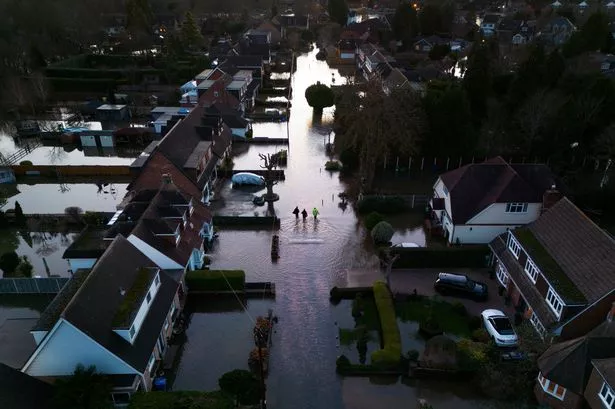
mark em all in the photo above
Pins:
pixel 314 256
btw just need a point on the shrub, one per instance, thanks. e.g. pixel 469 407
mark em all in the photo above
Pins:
pixel 73 213
pixel 357 306
pixel 390 355
pixel 382 233
pixel 472 355
pixel 319 96
pixel 430 326
pixel 413 355
pixel 342 362
pixel 382 204
pixel 475 323
pixel 20 218
pixel 459 308
pixel 216 280
pixel 94 219
pixel 372 220
pixel 333 165
pixel 9 262
pixel 24 268
pixel 181 399
pixel 448 257
pixel 241 385
pixel 480 335
pixel 25 163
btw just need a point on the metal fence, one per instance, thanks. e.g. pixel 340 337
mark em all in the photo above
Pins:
pixel 32 285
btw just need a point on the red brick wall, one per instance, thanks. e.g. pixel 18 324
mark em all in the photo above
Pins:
pixel 151 176
pixel 594 385
pixel 571 400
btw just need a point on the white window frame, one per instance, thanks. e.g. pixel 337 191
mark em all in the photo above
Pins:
pixel 514 246
pixel 148 297
pixel 516 207
pixel 172 310
pixel 502 275
pixel 132 331
pixel 157 280
pixel 538 325
pixel 607 393
pixel 152 360
pixel 555 302
pixel 546 383
pixel 531 270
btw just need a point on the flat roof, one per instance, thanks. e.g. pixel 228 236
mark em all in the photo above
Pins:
pixel 206 84
pixel 170 110
pixel 110 107
pixel 204 74
pixel 236 84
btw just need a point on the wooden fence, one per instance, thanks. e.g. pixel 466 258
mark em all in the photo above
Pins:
pixel 83 170
pixel 412 201
pixel 32 285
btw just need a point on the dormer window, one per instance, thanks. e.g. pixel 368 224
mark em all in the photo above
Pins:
pixel 516 207
pixel 531 270
pixel 514 246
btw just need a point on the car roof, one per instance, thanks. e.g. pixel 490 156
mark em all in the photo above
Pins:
pixel 453 277
pixel 492 313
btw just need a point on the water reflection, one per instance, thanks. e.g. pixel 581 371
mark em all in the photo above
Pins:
pixel 53 198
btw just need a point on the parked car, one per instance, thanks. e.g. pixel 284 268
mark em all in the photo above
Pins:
pixel 461 286
pixel 406 245
pixel 499 328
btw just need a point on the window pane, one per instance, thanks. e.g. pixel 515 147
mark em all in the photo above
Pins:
pixel 551 387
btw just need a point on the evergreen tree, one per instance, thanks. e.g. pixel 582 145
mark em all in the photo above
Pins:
pixel 20 218
pixel 405 22
pixel 338 11
pixel 85 389
pixel 191 34
pixel 477 81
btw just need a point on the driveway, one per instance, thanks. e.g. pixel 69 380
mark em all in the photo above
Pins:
pixel 405 281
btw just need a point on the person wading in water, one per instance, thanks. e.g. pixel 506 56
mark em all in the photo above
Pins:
pixel 296 212
pixel 304 214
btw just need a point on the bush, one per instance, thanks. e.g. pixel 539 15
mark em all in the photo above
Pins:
pixel 430 326
pixel 333 165
pixel 25 163
pixel 319 96
pixel 94 219
pixel 9 262
pixel 448 257
pixel 382 233
pixel 181 399
pixel 342 362
pixel 413 355
pixel 372 220
pixel 242 385
pixel 459 308
pixel 216 280
pixel 475 323
pixel 24 268
pixel 480 335
pixel 390 355
pixel 471 355
pixel 74 213
pixel 20 218
pixel 382 204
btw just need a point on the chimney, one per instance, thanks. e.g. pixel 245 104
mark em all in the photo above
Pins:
pixel 550 197
pixel 611 314
pixel 166 179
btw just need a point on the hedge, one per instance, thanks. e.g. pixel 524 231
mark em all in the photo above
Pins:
pixel 446 257
pixel 84 84
pixel 216 280
pixel 382 204
pixel 390 354
pixel 181 399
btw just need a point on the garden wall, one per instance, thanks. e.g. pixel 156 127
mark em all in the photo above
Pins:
pixel 80 170
pixel 447 257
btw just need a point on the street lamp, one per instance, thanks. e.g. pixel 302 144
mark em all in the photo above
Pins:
pixel 259 340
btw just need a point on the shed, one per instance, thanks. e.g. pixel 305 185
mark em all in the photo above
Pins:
pixel 111 112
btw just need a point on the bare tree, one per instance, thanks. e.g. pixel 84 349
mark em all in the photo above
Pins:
pixel 536 113
pixel 270 180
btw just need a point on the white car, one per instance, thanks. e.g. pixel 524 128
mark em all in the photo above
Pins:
pixel 499 328
pixel 407 245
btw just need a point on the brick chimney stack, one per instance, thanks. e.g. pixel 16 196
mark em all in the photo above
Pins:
pixel 550 197
pixel 167 179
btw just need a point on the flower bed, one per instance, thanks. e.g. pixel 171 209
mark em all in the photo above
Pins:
pixel 390 354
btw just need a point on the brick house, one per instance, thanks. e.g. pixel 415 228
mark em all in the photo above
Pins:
pixel 558 272
pixel 577 372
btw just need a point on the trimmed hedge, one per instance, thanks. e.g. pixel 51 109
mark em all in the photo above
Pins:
pixel 390 355
pixel 181 399
pixel 382 204
pixel 446 257
pixel 216 280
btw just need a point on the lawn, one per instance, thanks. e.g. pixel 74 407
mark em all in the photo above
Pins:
pixel 448 315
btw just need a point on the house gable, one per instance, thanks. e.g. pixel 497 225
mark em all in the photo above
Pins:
pixel 65 347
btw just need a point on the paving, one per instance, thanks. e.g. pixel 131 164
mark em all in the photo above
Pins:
pixel 405 281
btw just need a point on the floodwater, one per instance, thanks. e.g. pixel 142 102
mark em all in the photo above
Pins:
pixel 315 255
pixel 58 155
pixel 40 248
pixel 54 198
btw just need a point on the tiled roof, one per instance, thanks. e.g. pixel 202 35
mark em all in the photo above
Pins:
pixel 521 280
pixel 584 252
pixel 606 368
pixel 569 363
pixel 93 308
pixel 474 187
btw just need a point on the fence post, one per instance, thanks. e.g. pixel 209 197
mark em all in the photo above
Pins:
pixel 460 158
pixel 410 164
pixel 15 285
pixel 448 159
pixel 422 162
pixel 472 159
pixel 385 162
pixel 397 165
pixel 413 201
pixel 523 159
pixel 38 290
pixel 584 159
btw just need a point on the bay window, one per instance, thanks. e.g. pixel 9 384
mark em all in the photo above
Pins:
pixel 551 387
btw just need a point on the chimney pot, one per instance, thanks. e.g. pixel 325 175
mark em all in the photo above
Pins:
pixel 166 179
